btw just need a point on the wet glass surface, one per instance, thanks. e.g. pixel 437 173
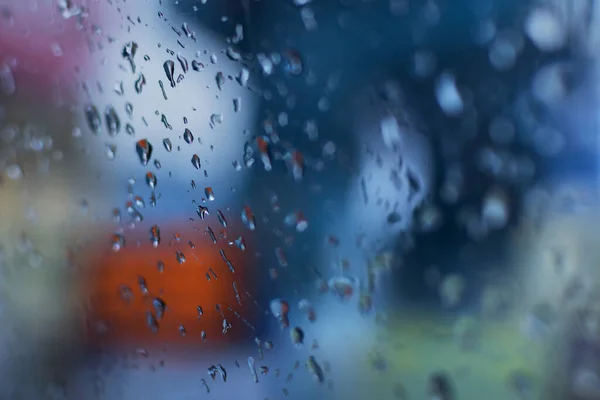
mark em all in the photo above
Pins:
pixel 263 199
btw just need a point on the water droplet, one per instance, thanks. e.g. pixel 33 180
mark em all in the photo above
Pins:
pixel 151 322
pixel 280 310
pixel 221 219
pixel 142 284
pixel 248 218
pixel 139 202
pixel 292 63
pixel 160 266
pixel 295 162
pixel 129 51
pixel 180 257
pixel 216 119
pixel 252 366
pixel 92 117
pixel 165 122
pixel 144 151
pixel 281 257
pixel 129 109
pixel 155 235
pixel 168 145
pixel 118 242
pixel 208 192
pixel 244 77
pixel 116 213
pixel 307 308
pixel 183 62
pixel 113 123
pixel 140 82
pixel 315 369
pixel 169 67
pixel 188 136
pixel 341 287
pixel 213 370
pixel 297 336
pixel 111 151
pixel 151 179
pixel 233 54
pixel 196 161
pixel 126 293
pixel 262 143
pixel 227 261
pixel 220 79
pixel 448 96
pixel 202 211
pixel 160 306
pixel 240 243
pixel 197 65
pixel 129 129
pixel 188 32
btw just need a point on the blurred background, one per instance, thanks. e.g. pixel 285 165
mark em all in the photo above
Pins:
pixel 290 199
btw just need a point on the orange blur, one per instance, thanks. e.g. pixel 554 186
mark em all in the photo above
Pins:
pixel 183 287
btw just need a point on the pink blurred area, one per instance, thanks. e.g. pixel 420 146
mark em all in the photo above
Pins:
pixel 47 47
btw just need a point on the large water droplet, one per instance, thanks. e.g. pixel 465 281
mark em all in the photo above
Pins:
pixel 169 67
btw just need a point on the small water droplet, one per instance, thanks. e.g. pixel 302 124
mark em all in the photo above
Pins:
pixel 188 32
pixel 160 265
pixel 111 151
pixel 220 79
pixel 129 51
pixel 129 109
pixel 92 117
pixel 292 63
pixel 151 179
pixel 183 62
pixel 163 119
pixel 140 82
pixel 297 336
pixel 188 136
pixel 248 218
pixel 118 242
pixel 280 310
pixel 202 211
pixel 168 145
pixel 144 151
pixel 155 235
pixel 196 161
pixel 113 123
pixel 151 322
pixel 13 171
pixel 216 119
